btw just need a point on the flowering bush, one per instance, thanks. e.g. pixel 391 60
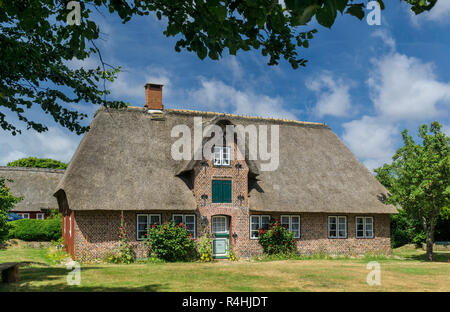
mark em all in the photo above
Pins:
pixel 205 247
pixel 124 252
pixel 232 256
pixel 171 242
pixel 277 239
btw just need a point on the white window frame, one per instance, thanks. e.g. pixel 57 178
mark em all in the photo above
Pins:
pixel 148 215
pixel 222 161
pixel 337 227
pixel 290 223
pixel 227 225
pixel 183 217
pixel 42 216
pixel 260 225
pixel 364 218
pixel 24 214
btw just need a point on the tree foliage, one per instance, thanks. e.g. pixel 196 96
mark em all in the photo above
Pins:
pixel 37 44
pixel 7 202
pixel 419 178
pixel 33 162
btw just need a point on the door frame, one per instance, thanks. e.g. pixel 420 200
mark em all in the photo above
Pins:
pixel 221 236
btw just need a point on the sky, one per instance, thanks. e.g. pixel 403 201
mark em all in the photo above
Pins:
pixel 366 82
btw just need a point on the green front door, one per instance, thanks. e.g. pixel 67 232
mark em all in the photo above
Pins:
pixel 221 232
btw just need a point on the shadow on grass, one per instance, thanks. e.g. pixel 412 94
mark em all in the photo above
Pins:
pixel 437 257
pixel 44 279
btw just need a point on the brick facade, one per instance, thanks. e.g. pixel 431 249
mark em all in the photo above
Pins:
pixel 96 232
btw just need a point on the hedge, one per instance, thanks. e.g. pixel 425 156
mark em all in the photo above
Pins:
pixel 36 230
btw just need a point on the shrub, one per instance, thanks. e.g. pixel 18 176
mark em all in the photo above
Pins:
pixel 205 247
pixel 124 252
pixel 277 239
pixel 7 202
pixel 36 230
pixel 171 242
pixel 33 162
pixel 56 253
pixel 232 256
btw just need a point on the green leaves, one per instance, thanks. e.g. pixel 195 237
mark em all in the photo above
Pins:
pixel 7 202
pixel 419 176
pixel 37 45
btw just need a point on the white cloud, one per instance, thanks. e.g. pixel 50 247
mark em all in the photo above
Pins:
pixel 371 139
pixel 446 129
pixel 405 88
pixel 440 13
pixel 129 85
pixel 333 97
pixel 54 144
pixel 234 67
pixel 215 95
pixel 402 89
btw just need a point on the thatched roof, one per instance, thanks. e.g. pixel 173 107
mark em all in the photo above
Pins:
pixel 36 185
pixel 125 162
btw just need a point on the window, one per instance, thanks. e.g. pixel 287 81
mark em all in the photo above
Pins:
pixel 186 219
pixel 292 223
pixel 337 227
pixel 221 191
pixel 222 156
pixel 40 216
pixel 145 222
pixel 219 224
pixel 24 215
pixel 258 223
pixel 364 227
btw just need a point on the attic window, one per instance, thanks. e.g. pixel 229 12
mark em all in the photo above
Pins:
pixel 222 156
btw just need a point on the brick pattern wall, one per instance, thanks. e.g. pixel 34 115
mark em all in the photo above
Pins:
pixel 96 233
pixel 237 210
pixel 314 235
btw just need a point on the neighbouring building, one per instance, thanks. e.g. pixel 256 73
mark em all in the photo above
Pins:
pixel 319 190
pixel 36 186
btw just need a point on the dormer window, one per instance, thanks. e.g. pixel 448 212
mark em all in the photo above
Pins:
pixel 222 155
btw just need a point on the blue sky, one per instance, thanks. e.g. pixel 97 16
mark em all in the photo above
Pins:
pixel 366 82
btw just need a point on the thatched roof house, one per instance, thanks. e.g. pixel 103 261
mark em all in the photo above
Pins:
pixel 36 186
pixel 125 163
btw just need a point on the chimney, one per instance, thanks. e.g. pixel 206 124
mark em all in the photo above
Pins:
pixel 153 96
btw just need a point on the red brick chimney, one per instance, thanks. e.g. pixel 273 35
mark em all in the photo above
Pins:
pixel 153 96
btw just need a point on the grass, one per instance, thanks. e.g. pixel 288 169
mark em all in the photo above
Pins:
pixel 406 270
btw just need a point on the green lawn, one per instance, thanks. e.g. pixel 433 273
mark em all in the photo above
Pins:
pixel 406 270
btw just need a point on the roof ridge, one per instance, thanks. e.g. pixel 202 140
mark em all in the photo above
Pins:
pixel 190 111
pixel 7 168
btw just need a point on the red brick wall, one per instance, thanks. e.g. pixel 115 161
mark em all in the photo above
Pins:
pixel 32 214
pixel 96 234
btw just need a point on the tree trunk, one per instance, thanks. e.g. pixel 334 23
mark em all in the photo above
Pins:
pixel 429 242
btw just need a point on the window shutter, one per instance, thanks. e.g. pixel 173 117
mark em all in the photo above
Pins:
pixel 221 191
pixel 216 190
pixel 226 191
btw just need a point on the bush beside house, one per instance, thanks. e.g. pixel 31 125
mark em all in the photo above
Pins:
pixel 171 242
pixel 36 230
pixel 277 239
